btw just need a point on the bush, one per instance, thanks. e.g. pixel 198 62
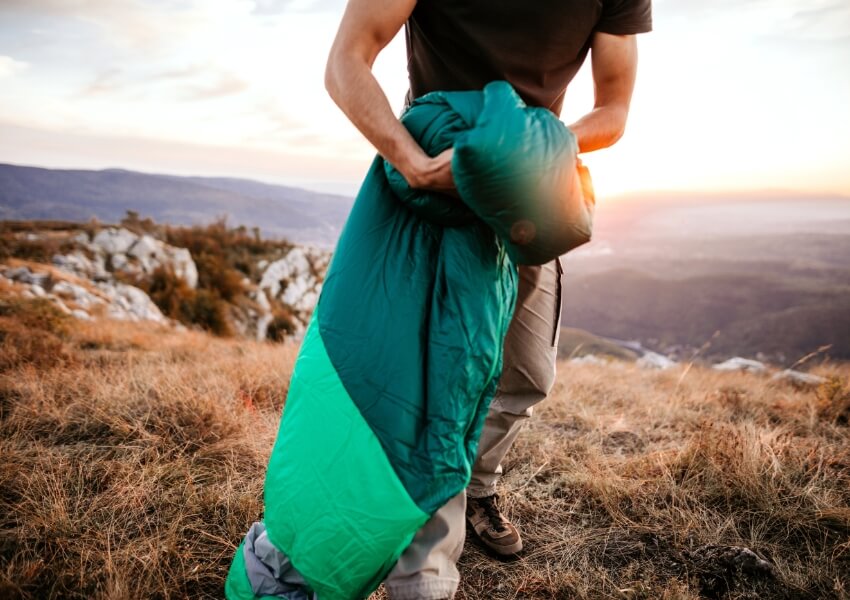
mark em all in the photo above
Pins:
pixel 209 311
pixel 174 297
pixel 282 326
pixel 32 332
pixel 218 249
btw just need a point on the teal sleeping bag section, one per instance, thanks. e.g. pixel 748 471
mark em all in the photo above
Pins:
pixel 403 354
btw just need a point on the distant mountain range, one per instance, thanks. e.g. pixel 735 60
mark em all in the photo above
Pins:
pixel 750 274
pixel 76 195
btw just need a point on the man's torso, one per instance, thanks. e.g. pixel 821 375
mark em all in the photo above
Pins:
pixel 537 46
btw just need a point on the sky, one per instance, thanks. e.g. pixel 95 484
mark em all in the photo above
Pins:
pixel 731 95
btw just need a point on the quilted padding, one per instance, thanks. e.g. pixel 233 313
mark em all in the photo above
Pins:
pixel 402 356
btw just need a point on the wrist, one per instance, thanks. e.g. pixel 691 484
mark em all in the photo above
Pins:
pixel 416 169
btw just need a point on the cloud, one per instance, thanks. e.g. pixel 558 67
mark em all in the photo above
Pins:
pixel 148 25
pixel 193 82
pixel 278 7
pixel 9 66
pixel 827 20
pixel 223 84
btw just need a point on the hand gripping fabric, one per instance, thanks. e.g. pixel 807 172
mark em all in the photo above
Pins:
pixel 402 355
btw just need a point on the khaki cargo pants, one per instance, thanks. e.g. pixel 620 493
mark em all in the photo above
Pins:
pixel 427 569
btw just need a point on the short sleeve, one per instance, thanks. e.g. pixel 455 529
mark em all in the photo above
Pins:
pixel 625 17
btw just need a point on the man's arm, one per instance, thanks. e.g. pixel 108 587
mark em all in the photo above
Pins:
pixel 614 62
pixel 367 27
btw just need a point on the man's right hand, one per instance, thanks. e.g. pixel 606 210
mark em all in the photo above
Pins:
pixel 432 173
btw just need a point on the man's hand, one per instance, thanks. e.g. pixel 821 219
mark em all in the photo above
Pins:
pixel 614 62
pixel 433 174
pixel 366 28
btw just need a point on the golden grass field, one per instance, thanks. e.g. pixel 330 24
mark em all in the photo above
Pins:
pixel 132 461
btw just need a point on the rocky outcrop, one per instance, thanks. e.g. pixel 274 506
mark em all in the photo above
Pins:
pixel 118 249
pixel 295 280
pixel 85 280
pixel 799 378
pixel 741 364
pixel 653 360
pixel 85 300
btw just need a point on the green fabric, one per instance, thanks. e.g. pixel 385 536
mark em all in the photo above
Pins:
pixel 416 334
pixel 514 167
pixel 334 505
pixel 403 354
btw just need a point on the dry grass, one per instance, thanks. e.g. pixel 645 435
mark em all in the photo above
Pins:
pixel 132 469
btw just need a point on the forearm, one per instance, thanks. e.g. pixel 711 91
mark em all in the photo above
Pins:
pixel 600 128
pixel 351 84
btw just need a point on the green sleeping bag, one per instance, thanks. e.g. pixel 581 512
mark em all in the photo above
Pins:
pixel 403 353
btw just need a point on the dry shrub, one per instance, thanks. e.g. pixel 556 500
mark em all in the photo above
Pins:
pixel 224 255
pixel 833 401
pixel 17 244
pixel 201 307
pixel 31 333
pixel 282 326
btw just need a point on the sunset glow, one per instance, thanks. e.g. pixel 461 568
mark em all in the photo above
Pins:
pixel 730 95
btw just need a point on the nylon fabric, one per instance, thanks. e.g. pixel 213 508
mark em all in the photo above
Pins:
pixel 334 505
pixel 404 351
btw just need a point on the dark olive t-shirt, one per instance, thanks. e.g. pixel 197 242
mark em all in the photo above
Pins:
pixel 536 45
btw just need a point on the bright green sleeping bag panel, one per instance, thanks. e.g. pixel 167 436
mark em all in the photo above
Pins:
pixel 403 353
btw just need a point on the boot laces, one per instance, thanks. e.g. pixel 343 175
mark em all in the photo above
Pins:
pixel 491 511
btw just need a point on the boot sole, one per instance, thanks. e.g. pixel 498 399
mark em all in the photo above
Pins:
pixel 511 550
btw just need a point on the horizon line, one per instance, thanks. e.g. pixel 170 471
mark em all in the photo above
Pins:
pixel 762 192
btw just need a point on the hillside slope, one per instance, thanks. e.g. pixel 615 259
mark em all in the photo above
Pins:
pixel 133 460
pixel 76 195
pixel 779 315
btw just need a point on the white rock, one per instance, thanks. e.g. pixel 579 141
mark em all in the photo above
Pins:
pixel 135 304
pixel 182 263
pixel 262 300
pixel 653 360
pixel 81 296
pixel 263 322
pixel 115 241
pixel 146 248
pixel 81 314
pixel 37 291
pixel 741 364
pixel 119 262
pixel 81 238
pixel 291 267
pixel 798 377
pixel 24 275
pixel 79 264
pixel 291 279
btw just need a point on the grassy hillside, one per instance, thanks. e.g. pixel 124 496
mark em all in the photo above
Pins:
pixel 133 459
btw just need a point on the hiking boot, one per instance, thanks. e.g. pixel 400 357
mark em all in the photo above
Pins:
pixel 491 526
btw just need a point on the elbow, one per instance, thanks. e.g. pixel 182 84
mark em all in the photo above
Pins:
pixel 616 134
pixel 617 126
pixel 331 84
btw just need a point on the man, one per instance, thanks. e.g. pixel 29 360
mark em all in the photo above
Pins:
pixel 462 45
